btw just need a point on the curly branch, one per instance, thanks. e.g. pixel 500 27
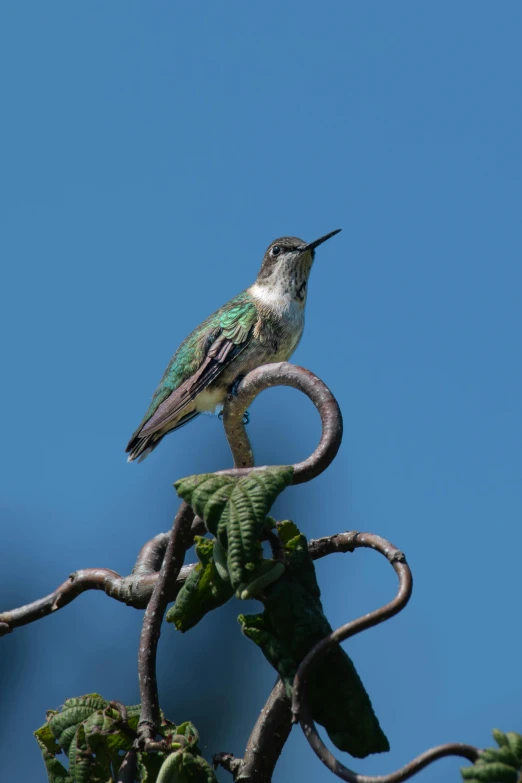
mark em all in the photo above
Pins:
pixel 178 543
pixel 136 590
pixel 133 590
pixel 265 743
pixel 283 374
pixel 158 575
pixel 300 708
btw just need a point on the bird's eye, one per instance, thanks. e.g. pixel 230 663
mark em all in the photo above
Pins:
pixel 276 250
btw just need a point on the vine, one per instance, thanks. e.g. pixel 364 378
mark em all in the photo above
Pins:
pixel 107 741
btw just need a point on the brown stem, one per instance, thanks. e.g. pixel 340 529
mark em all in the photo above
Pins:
pixel 283 374
pixel 134 590
pixel 268 737
pixel 342 543
pixel 265 743
pixel 128 767
pixel 151 555
pixel 179 541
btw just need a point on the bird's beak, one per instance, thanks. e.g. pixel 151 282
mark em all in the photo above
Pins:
pixel 313 245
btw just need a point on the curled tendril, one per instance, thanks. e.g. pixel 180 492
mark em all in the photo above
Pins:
pixel 300 707
pixel 280 374
pixel 158 575
pixel 284 374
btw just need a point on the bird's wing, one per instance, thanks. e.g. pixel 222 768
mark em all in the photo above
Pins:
pixel 230 336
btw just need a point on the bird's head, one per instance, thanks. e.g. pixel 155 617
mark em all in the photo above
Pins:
pixel 287 263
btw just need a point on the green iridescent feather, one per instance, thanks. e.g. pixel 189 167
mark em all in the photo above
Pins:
pixel 234 321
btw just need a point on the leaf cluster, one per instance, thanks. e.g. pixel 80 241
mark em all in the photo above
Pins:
pixel 95 734
pixel 292 623
pixel 497 765
pixel 234 510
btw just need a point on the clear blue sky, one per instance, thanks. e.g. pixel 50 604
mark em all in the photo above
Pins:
pixel 149 154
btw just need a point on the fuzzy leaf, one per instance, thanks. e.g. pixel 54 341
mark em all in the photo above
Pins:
pixel 500 738
pixel 149 765
pixel 497 765
pixel 203 590
pixel 183 767
pixel 191 735
pixel 292 623
pixel 503 754
pixel 235 509
pixel 63 724
pixel 45 738
pixel 207 494
pixel 515 744
pixel 56 772
pixel 493 772
pixel 95 745
pixel 80 761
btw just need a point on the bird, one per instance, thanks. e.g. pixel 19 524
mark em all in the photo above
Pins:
pixel 261 325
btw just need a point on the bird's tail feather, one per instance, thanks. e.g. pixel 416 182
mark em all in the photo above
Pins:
pixel 138 448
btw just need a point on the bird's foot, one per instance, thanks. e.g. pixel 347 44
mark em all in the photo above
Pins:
pixel 233 391
pixel 246 417
pixel 235 385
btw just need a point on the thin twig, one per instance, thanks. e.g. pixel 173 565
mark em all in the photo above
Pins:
pixel 300 707
pixel 179 541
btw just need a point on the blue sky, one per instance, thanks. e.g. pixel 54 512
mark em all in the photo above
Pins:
pixel 149 154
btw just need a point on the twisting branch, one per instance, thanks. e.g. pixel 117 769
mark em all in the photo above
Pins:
pixel 300 707
pixel 265 743
pixel 283 374
pixel 134 590
pixel 179 541
pixel 158 575
pixel 274 723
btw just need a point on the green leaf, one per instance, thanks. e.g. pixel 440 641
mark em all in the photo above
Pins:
pixel 94 744
pixel 44 737
pixel 497 765
pixel 191 735
pixel 235 509
pixel 503 754
pixel 183 767
pixel 80 759
pixel 149 765
pixel 64 724
pixel 494 772
pixel 292 623
pixel 515 744
pixel 207 494
pixel 500 738
pixel 268 572
pixel 202 591
pixel 56 772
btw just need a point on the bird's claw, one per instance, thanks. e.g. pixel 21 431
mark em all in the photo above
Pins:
pixel 235 385
pixel 246 417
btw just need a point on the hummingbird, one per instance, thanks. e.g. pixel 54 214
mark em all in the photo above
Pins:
pixel 261 325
